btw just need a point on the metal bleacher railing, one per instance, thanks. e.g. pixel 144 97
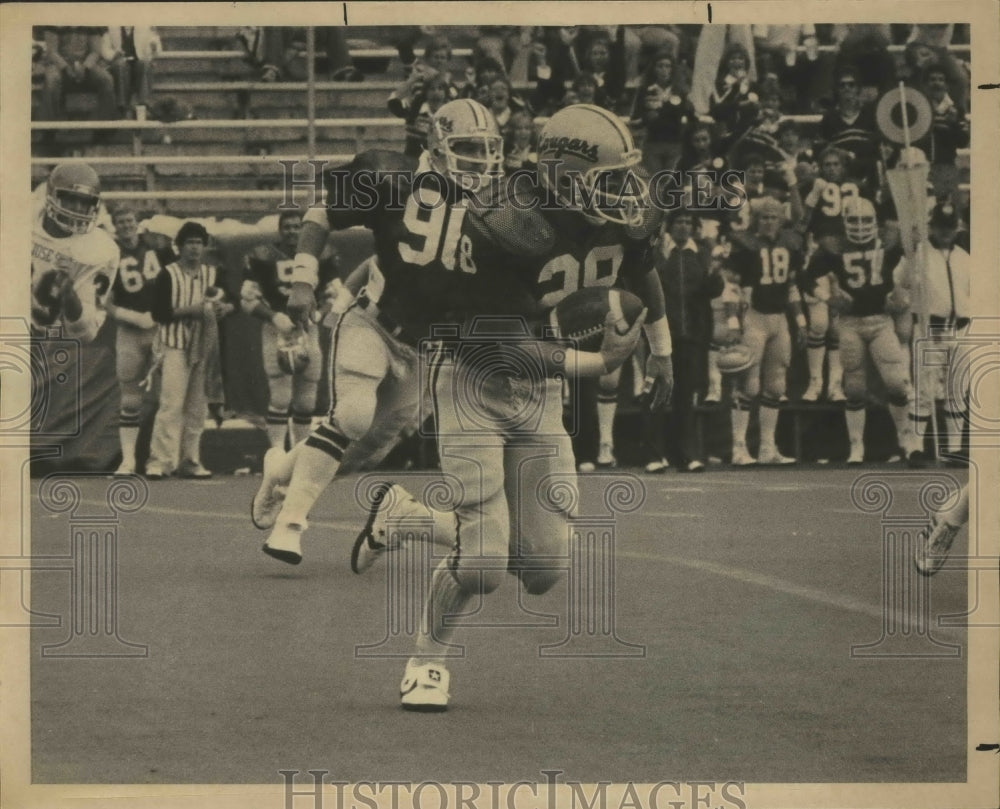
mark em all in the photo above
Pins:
pixel 359 128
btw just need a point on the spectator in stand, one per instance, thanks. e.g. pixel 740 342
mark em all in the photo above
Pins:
pixel 850 125
pixel 129 52
pixel 482 74
pixel 187 301
pixel 584 90
pixel 549 89
pixel 937 37
pixel 280 52
pixel 565 52
pixel 949 132
pixel 609 76
pixel 661 106
pixel 865 49
pixel 520 143
pixel 503 102
pixel 714 41
pixel 73 60
pixel 733 104
pixel 689 285
pixel 419 109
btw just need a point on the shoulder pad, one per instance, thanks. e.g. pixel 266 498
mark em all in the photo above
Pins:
pixel 513 230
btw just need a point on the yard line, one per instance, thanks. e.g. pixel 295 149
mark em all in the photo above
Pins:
pixel 244 517
pixel 913 624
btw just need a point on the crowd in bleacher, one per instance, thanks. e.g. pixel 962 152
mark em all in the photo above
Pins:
pixel 697 97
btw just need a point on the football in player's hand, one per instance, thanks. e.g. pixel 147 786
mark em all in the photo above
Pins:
pixel 580 316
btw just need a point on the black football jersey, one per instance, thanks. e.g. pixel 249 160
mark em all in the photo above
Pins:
pixel 585 254
pixel 270 268
pixel 827 217
pixel 443 257
pixel 863 271
pixel 768 266
pixel 137 270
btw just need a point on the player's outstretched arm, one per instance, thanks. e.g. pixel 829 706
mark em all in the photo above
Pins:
pixel 305 273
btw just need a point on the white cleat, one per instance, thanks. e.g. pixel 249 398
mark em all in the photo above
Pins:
pixel 774 458
pixel 836 393
pixel 285 543
pixel 267 501
pixel 813 391
pixel 933 545
pixel 857 455
pixel 126 468
pixel 373 541
pixel 742 458
pixel 586 467
pixel 424 687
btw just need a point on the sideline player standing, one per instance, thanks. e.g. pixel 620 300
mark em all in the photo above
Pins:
pixel 824 222
pixel 72 263
pixel 130 305
pixel 267 281
pixel 506 514
pixel 436 260
pixel 862 289
pixel 766 263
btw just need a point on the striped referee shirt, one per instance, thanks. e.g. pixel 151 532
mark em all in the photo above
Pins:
pixel 173 289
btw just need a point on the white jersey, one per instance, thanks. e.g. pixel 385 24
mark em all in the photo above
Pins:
pixel 90 259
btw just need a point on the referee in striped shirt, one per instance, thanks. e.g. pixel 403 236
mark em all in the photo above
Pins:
pixel 186 303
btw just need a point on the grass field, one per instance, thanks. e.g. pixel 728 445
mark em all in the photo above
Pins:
pixel 744 590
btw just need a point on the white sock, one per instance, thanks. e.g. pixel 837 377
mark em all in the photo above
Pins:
pixel 768 427
pixel 312 473
pixel 127 437
pixel 606 421
pixel 856 426
pixel 445 598
pixel 834 367
pixel 741 420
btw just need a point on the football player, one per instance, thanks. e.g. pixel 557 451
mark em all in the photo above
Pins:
pixel 766 262
pixel 291 352
pixel 506 510
pixel 130 305
pixel 72 263
pixel 861 288
pixel 825 224
pixel 437 258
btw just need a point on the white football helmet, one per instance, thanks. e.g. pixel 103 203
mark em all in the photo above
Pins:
pixel 860 222
pixel 588 161
pixel 73 197
pixel 464 143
